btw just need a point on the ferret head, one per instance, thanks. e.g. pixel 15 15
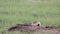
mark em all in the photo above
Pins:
pixel 37 23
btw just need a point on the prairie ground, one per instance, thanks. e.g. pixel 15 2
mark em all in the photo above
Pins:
pixel 16 11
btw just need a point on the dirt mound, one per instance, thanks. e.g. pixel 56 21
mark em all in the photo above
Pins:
pixel 30 28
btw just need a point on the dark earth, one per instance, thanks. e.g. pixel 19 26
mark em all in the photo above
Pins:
pixel 39 29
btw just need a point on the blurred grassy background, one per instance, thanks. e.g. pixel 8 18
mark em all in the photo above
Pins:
pixel 16 11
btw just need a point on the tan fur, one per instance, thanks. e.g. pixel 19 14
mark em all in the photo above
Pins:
pixel 36 23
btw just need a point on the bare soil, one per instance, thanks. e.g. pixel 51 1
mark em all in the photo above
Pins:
pixel 39 29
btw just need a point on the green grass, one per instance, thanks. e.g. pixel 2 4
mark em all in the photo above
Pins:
pixel 16 11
